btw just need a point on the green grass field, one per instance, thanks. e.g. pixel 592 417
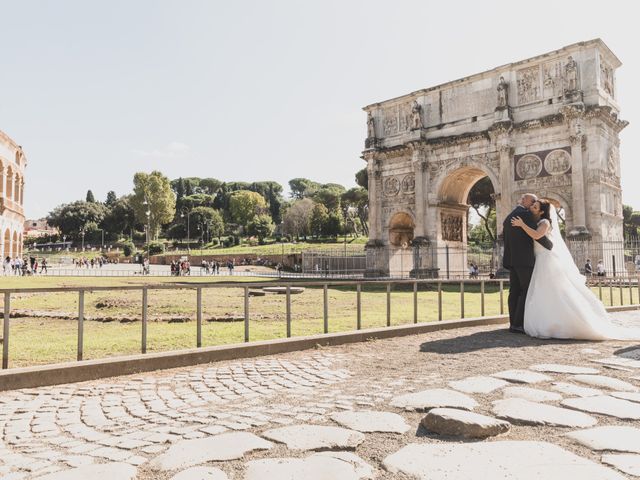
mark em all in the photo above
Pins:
pixel 45 340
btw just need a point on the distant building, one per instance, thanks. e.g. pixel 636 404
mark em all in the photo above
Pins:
pixel 12 167
pixel 38 228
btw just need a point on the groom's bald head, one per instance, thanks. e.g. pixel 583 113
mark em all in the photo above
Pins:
pixel 528 199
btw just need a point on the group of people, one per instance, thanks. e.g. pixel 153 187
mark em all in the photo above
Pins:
pixel 600 270
pixel 23 266
pixel 84 262
pixel 474 271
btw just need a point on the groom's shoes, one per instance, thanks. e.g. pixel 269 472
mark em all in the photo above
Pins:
pixel 516 330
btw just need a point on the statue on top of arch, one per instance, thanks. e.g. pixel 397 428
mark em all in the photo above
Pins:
pixel 416 116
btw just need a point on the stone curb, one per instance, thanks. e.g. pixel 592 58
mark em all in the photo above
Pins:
pixel 56 374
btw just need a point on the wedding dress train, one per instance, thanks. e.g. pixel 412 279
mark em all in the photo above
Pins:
pixel 559 304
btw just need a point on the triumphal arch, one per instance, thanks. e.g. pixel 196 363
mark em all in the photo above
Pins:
pixel 547 125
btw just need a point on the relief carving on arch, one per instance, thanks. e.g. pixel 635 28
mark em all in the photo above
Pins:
pixel 409 183
pixel 606 78
pixel 391 186
pixel 451 227
pixel 528 82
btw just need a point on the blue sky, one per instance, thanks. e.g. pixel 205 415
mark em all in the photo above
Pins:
pixel 256 90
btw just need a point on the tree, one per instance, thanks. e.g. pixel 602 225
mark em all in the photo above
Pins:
pixel 152 194
pixel 261 226
pixel 335 225
pixel 74 218
pixel 111 199
pixel 627 224
pixel 357 198
pixel 272 193
pixel 319 219
pixel 208 220
pixel 120 218
pixel 482 200
pixel 210 185
pixel 244 205
pixel 302 187
pixel 90 198
pixel 297 218
pixel 362 178
pixel 189 202
pixel 329 195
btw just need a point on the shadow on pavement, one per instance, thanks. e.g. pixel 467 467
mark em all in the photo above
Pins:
pixel 490 339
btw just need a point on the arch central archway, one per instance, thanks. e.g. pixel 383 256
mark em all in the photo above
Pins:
pixel 452 219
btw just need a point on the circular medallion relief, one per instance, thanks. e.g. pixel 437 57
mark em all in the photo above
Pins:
pixel 529 166
pixel 557 162
pixel 408 184
pixel 391 186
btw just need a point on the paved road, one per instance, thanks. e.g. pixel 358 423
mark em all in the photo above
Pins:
pixel 226 420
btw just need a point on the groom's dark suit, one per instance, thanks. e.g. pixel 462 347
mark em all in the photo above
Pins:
pixel 519 259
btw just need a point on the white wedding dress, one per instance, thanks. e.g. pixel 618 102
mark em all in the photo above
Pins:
pixel 559 304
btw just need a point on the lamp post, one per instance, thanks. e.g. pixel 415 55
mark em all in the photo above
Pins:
pixel 82 233
pixel 148 226
pixel 101 231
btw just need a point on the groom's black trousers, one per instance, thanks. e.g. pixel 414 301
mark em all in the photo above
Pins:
pixel 519 279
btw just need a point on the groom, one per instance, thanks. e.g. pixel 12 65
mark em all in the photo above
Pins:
pixel 519 259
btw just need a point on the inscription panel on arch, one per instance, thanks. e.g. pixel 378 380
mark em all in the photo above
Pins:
pixel 545 163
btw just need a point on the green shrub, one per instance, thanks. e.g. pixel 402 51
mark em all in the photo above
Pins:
pixel 156 248
pixel 128 248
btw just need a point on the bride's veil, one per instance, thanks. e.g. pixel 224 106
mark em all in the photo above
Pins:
pixel 560 249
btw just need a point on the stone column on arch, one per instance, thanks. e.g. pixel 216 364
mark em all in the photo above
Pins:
pixel 21 192
pixel 373 173
pixel 419 170
pixel 579 227
pixel 504 191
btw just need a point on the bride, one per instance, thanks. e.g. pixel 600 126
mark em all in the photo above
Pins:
pixel 559 304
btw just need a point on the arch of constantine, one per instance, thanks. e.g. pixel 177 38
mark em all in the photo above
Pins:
pixel 12 168
pixel 547 125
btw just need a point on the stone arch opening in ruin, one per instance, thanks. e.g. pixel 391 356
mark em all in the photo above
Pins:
pixel 401 228
pixel 7 243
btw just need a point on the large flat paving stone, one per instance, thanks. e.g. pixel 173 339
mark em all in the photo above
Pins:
pixel 603 381
pixel 371 421
pixel 605 405
pixel 619 361
pixel 631 396
pixel 532 394
pixel 434 398
pixel 201 473
pixel 315 437
pixel 504 460
pixel 522 376
pixel 524 412
pixel 616 438
pixel 451 421
pixel 558 368
pixel 102 471
pixel 479 384
pixel 226 446
pixel 321 466
pixel 575 390
pixel 625 462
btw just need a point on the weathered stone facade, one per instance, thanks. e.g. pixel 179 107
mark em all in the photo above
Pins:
pixel 12 167
pixel 547 125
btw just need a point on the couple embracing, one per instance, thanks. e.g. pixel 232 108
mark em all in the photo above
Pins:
pixel 548 297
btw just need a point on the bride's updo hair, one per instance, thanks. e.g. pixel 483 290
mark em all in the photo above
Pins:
pixel 545 209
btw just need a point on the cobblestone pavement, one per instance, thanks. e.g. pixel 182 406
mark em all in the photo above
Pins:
pixel 227 420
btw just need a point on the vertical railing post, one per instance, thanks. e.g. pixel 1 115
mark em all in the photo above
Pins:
pixel 246 314
pixel 621 291
pixel 5 331
pixel 325 309
pixel 415 302
pixel 358 306
pixel 600 289
pixel 439 301
pixel 145 305
pixel 610 291
pixel 630 291
pixel 482 298
pixel 461 299
pixel 501 297
pixel 199 317
pixel 288 311
pixel 80 324
pixel 388 304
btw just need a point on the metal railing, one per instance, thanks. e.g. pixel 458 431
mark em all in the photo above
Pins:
pixel 606 285
pixel 435 286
